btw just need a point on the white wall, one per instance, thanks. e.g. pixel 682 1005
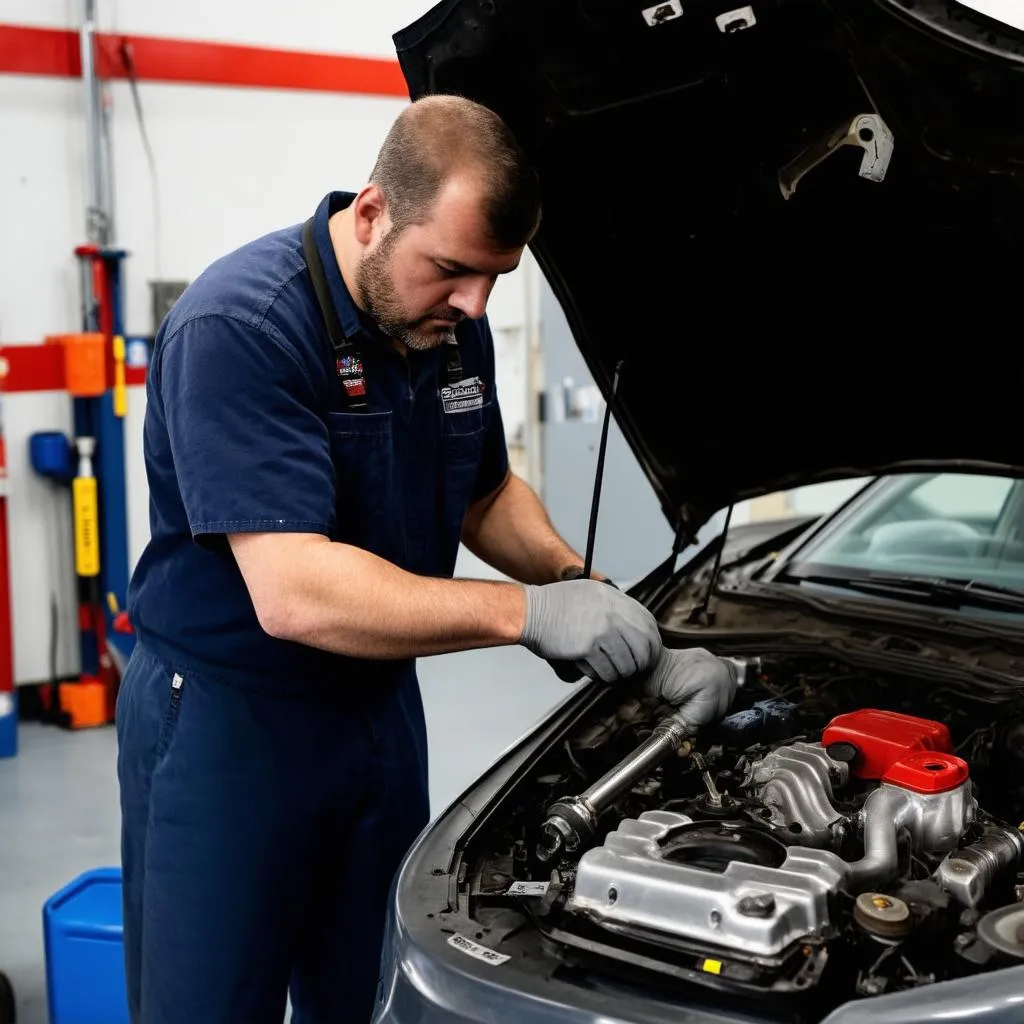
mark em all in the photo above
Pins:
pixel 818 499
pixel 231 164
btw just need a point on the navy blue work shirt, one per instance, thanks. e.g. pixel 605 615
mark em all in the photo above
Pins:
pixel 247 430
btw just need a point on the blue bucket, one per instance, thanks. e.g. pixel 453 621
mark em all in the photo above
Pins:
pixel 83 937
pixel 9 723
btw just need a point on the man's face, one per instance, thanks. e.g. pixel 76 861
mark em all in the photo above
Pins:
pixel 417 284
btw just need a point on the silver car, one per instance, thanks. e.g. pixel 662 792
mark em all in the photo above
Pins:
pixel 795 228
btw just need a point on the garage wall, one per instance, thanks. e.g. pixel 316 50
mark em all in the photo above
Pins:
pixel 231 164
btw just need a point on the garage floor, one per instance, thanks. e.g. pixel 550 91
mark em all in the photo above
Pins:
pixel 59 807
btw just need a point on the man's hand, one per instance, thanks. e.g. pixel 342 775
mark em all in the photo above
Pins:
pixel 701 685
pixel 566 670
pixel 597 628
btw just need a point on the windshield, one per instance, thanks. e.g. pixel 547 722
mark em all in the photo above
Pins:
pixel 957 526
pixel 1009 12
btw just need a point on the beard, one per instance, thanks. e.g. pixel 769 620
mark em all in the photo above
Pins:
pixel 377 296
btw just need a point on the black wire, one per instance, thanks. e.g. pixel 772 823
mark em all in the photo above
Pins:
pixel 129 65
pixel 577 767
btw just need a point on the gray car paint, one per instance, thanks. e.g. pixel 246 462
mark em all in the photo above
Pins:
pixel 420 989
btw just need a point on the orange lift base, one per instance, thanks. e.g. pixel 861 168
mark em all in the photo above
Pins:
pixel 86 704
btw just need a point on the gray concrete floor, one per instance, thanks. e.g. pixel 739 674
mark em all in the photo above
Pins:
pixel 59 808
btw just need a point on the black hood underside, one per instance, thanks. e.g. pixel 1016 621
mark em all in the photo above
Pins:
pixel 856 326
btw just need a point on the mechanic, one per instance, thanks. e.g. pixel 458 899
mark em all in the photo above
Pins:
pixel 321 432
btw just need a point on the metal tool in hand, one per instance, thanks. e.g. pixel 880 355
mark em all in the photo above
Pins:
pixel 572 822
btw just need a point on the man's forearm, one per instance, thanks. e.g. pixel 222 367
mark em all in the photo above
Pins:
pixel 340 598
pixel 512 532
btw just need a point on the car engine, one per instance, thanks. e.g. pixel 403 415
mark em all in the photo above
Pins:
pixel 821 864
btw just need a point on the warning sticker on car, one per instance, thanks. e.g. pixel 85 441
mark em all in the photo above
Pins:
pixel 474 949
pixel 528 888
pixel 464 395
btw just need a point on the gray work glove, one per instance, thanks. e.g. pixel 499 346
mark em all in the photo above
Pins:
pixel 603 632
pixel 701 685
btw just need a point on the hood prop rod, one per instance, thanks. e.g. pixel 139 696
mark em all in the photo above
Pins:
pixel 701 615
pixel 588 559
pixel 566 670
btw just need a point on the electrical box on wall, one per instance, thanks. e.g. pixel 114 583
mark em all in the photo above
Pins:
pixel 164 295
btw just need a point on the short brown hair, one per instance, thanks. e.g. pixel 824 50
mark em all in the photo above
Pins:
pixel 438 135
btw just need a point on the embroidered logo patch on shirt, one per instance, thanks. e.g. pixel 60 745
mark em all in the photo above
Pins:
pixel 466 394
pixel 350 370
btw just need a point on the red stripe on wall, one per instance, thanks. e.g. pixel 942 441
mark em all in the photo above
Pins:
pixel 39 51
pixel 32 368
pixel 41 368
pixel 48 51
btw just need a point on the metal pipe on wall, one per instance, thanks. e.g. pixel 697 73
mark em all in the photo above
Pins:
pixel 106 134
pixel 97 219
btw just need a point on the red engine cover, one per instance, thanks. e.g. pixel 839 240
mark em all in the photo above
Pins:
pixel 882 738
pixel 927 771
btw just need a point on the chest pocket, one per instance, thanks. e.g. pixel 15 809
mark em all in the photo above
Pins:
pixel 362 449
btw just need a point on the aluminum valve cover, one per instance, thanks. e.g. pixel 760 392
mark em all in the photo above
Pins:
pixel 751 908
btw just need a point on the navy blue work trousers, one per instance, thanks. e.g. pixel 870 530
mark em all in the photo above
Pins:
pixel 260 837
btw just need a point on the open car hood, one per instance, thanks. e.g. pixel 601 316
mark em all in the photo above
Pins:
pixel 798 224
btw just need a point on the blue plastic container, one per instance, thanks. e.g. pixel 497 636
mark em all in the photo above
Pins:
pixel 83 939
pixel 50 455
pixel 8 723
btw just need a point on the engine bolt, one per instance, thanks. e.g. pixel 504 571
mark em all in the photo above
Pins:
pixel 762 905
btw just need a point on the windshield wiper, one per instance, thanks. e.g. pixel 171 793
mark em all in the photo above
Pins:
pixel 937 590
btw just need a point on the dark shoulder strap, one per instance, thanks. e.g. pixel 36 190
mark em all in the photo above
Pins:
pixel 322 289
pixel 347 359
pixel 453 362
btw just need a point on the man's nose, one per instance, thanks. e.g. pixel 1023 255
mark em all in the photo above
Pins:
pixel 470 298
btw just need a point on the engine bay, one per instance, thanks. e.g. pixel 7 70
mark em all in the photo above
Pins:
pixel 840 835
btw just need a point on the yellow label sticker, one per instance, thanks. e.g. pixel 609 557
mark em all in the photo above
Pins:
pixel 712 966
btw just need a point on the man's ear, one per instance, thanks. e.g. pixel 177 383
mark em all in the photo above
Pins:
pixel 369 214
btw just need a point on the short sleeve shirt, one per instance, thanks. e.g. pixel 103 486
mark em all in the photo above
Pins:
pixel 247 430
